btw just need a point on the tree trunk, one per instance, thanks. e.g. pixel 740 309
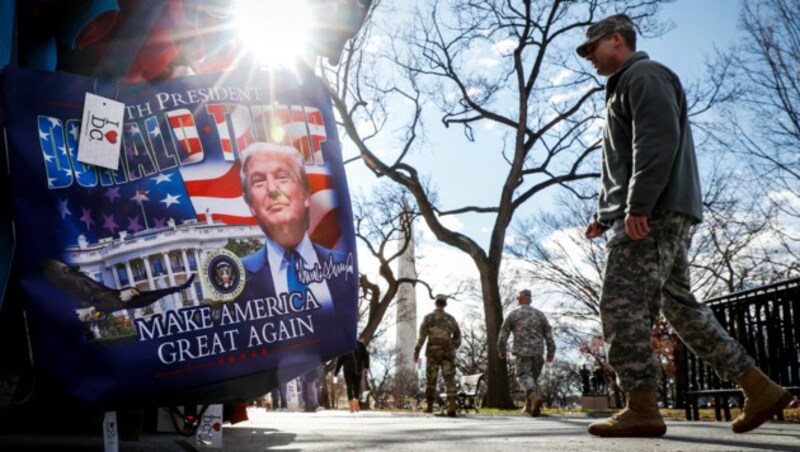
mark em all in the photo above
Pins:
pixel 498 394
pixel 378 305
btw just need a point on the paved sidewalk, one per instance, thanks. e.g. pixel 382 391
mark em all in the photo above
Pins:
pixel 339 430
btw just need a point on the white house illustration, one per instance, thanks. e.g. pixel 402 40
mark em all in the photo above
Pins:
pixel 155 259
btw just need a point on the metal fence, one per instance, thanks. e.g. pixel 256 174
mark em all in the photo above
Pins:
pixel 766 321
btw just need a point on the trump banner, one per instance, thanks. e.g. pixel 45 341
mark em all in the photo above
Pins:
pixel 211 255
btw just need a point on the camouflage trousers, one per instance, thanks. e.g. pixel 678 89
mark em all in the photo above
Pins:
pixel 445 359
pixel 644 277
pixel 528 370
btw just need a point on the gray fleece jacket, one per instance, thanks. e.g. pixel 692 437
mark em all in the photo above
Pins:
pixel 649 163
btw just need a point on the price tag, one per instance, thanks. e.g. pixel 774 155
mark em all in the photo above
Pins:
pixel 101 131
pixel 110 432
pixel 209 432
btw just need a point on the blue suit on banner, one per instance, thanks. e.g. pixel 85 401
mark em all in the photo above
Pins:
pixel 271 271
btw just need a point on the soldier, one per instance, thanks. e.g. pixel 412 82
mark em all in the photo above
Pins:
pixel 445 338
pixel 650 199
pixel 531 332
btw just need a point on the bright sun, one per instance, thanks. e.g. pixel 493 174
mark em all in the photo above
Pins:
pixel 276 31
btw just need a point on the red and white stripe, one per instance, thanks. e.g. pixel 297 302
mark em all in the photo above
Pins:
pixel 183 127
pixel 306 135
pixel 324 224
pixel 219 113
pixel 215 189
pixel 295 125
pixel 242 124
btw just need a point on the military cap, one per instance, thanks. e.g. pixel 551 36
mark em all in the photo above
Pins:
pixel 617 22
pixel 441 300
pixel 525 293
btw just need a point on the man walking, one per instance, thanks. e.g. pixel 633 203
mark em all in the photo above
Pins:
pixel 278 395
pixel 650 199
pixel 531 332
pixel 444 338
pixel 309 391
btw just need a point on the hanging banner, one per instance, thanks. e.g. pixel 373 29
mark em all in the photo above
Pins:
pixel 221 246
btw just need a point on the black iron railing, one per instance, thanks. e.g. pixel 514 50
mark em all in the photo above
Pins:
pixel 766 321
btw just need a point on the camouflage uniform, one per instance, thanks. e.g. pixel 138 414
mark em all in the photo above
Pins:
pixel 652 274
pixel 652 173
pixel 445 338
pixel 531 332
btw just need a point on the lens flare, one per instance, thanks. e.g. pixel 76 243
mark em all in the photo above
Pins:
pixel 276 31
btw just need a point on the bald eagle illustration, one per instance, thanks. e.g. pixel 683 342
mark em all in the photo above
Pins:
pixel 91 294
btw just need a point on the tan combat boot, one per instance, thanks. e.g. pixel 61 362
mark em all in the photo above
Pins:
pixel 536 403
pixel 429 407
pixel 762 400
pixel 451 406
pixel 639 419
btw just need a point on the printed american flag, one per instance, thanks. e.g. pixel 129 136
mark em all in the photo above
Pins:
pixel 92 205
pixel 133 207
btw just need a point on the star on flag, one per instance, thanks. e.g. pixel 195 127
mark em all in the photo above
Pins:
pixel 171 199
pixel 73 130
pixel 133 224
pixel 112 194
pixel 140 196
pixel 86 217
pixel 63 209
pixel 109 223
pixel 162 178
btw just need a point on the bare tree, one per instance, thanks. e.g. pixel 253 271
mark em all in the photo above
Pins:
pixel 404 385
pixel 472 356
pixel 737 246
pixel 381 370
pixel 388 385
pixel 537 95
pixel 383 223
pixel 559 381
pixel 764 122
pixel 561 261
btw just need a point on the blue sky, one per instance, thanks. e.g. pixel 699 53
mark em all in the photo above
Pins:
pixel 699 24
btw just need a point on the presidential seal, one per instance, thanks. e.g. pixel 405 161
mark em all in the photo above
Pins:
pixel 222 274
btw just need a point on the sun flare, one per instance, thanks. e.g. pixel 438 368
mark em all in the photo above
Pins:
pixel 276 31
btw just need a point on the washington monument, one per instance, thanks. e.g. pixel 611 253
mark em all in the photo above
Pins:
pixel 406 305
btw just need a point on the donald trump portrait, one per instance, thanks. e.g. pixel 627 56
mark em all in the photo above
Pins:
pixel 276 189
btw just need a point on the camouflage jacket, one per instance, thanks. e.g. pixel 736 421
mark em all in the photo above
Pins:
pixel 531 332
pixel 443 331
